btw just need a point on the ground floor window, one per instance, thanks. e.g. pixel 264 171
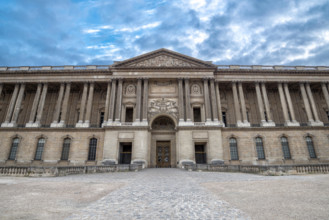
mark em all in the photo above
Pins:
pixel 13 149
pixel 285 148
pixel 234 149
pixel 260 148
pixel 40 146
pixel 92 149
pixel 310 147
pixel 125 153
pixel 200 154
pixel 66 149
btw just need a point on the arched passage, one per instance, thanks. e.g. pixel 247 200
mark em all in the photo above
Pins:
pixel 163 142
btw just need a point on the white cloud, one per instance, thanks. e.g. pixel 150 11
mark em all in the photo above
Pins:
pixel 143 27
pixel 91 31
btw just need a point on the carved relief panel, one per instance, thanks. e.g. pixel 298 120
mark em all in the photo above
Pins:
pixel 129 89
pixel 163 88
pixel 162 106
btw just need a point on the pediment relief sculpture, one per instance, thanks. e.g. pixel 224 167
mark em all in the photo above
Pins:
pixel 163 106
pixel 163 61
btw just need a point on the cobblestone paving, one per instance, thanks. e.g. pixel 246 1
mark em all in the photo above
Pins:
pixel 159 194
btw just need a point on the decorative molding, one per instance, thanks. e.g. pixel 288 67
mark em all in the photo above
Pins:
pixel 162 106
pixel 130 89
pixel 162 61
pixel 196 89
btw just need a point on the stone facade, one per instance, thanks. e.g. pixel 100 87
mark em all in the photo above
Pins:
pixel 163 109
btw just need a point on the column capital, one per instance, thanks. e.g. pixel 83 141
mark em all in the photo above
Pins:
pixel 145 78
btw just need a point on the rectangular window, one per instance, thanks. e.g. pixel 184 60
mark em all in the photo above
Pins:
pixel 260 148
pixel 234 149
pixel 125 153
pixel 13 149
pixel 197 114
pixel 310 147
pixel 224 118
pixel 101 119
pixel 92 149
pixel 200 154
pixel 285 148
pixel 129 114
pixel 40 146
pixel 66 149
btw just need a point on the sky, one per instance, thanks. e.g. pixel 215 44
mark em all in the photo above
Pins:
pixel 227 32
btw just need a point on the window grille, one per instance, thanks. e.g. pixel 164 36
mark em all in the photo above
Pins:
pixel 310 147
pixel 234 149
pixel 66 149
pixel 260 148
pixel 13 149
pixel 92 149
pixel 285 148
pixel 40 145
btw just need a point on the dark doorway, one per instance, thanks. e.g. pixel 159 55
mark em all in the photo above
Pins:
pixel 125 153
pixel 197 114
pixel 163 154
pixel 200 154
pixel 129 114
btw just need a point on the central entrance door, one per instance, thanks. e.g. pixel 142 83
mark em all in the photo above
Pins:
pixel 163 154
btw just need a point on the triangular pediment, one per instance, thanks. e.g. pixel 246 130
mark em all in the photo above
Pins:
pixel 163 58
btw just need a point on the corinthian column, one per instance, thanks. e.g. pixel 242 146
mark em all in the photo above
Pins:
pixel 11 107
pixel 325 93
pixel 243 106
pixel 82 105
pixel 107 102
pixel 207 100
pixel 260 104
pixel 219 105
pixel 65 104
pixel 290 105
pixel 236 104
pixel 306 104
pixel 313 106
pixel 188 101
pixel 89 105
pixel 267 107
pixel 145 101
pixel 18 105
pixel 180 101
pixel 58 106
pixel 34 106
pixel 112 101
pixel 213 101
pixel 138 101
pixel 1 87
pixel 119 103
pixel 283 104
pixel 41 105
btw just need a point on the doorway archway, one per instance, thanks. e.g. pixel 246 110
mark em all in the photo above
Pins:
pixel 163 142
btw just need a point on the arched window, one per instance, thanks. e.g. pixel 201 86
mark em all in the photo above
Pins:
pixel 92 149
pixel 260 148
pixel 234 149
pixel 66 149
pixel 13 149
pixel 40 145
pixel 310 147
pixel 285 148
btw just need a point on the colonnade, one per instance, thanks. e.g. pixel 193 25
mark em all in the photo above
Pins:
pixel 211 94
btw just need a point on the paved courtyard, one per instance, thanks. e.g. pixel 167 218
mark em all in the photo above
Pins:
pixel 165 194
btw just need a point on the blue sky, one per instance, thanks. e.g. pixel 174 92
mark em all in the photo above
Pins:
pixel 245 32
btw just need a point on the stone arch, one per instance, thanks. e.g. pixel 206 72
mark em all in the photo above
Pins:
pixel 163 122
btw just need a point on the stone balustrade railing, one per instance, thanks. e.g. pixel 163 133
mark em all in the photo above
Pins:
pixel 268 67
pixel 266 170
pixel 105 67
pixel 67 170
pixel 43 68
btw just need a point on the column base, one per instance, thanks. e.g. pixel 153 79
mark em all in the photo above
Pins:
pixel 212 123
pixel 57 125
pixel 244 124
pixel 315 123
pixel 267 124
pixel 292 124
pixel 32 125
pixel 8 125
pixel 79 125
pixel 136 123
pixel 185 123
pixel 144 123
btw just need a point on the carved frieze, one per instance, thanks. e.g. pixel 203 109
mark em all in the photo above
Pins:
pixel 163 61
pixel 163 106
